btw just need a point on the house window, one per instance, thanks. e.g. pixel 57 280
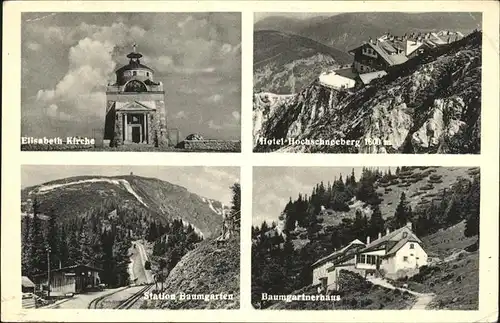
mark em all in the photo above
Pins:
pixel 134 73
pixel 405 258
pixel 147 74
pixel 412 246
pixel 362 259
pixel 411 254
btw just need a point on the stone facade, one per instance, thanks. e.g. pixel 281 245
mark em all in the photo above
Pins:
pixel 211 145
pixel 135 112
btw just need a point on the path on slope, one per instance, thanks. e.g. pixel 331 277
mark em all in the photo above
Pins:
pixel 422 299
pixel 138 257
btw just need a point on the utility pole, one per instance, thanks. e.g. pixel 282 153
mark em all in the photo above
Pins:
pixel 48 272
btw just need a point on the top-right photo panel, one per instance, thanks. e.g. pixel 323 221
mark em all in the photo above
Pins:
pixel 367 82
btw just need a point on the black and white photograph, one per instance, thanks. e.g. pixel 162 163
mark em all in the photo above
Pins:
pixel 367 82
pixel 131 81
pixel 365 238
pixel 130 237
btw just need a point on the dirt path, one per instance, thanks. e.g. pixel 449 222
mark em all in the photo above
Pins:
pixel 422 299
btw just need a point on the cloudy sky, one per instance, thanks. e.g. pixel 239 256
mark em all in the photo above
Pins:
pixel 300 15
pixel 68 58
pixel 210 182
pixel 273 186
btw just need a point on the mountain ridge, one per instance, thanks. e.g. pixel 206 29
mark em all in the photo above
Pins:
pixel 74 196
pixel 285 62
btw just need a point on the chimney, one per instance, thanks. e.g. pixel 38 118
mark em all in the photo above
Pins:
pixel 380 235
pixel 408 225
pixel 387 231
pixel 368 240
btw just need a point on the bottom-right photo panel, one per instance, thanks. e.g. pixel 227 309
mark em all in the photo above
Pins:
pixel 381 238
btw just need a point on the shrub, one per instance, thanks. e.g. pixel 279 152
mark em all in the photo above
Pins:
pixel 435 181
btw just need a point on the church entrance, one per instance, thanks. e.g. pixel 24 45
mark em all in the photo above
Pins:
pixel 136 133
pixel 135 128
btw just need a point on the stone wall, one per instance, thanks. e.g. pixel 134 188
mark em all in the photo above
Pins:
pixel 211 145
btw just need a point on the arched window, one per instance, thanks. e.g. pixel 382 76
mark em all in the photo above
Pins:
pixel 135 86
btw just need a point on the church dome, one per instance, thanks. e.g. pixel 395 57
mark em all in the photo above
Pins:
pixel 134 70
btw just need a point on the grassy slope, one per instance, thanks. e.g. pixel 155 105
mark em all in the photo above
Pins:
pixel 358 294
pixel 455 282
pixel 449 176
pixel 206 270
pixel 391 194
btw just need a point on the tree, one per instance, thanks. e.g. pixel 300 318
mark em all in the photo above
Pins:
pixel 27 246
pixel 376 224
pixel 235 212
pixel 402 212
pixel 472 209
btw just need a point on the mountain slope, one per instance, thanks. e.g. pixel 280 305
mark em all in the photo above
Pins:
pixel 75 196
pixel 430 104
pixel 347 30
pixel 208 269
pixel 284 63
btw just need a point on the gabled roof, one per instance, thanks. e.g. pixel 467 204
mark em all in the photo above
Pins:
pixel 26 282
pixel 71 268
pixel 338 253
pixel 387 242
pixel 135 106
pixel 366 78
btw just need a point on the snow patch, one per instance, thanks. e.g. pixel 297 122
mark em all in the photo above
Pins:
pixel 118 182
pixel 210 205
pixel 198 231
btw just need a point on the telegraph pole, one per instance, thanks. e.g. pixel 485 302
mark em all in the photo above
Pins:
pixel 48 272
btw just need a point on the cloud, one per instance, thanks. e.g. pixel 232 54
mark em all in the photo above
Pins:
pixel 161 63
pixel 221 174
pixel 34 46
pixel 180 115
pixel 236 115
pixel 53 111
pixel 215 98
pixel 90 63
pixel 213 126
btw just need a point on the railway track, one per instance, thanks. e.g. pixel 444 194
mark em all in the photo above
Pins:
pixel 128 303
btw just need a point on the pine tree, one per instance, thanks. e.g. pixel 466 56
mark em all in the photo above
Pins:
pixel 235 212
pixel 85 243
pixel 27 246
pixel 38 244
pixel 53 239
pixel 376 222
pixel 401 215
pixel 472 209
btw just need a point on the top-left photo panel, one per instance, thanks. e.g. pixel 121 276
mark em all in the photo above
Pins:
pixel 131 81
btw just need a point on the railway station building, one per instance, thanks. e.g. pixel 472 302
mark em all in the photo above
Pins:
pixel 74 279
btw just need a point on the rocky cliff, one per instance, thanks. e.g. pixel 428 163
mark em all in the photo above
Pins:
pixel 430 104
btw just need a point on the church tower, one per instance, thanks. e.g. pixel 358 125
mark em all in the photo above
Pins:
pixel 135 112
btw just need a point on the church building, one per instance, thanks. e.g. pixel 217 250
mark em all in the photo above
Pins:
pixel 135 112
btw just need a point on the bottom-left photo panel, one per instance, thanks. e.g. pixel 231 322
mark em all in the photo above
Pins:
pixel 130 237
